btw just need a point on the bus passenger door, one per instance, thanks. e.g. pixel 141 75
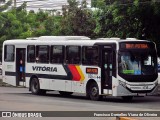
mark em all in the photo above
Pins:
pixel 20 66
pixel 107 68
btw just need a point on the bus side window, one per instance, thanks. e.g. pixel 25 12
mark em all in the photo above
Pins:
pixel 73 54
pixel 30 53
pixel 42 53
pixel 57 54
pixel 9 53
pixel 90 55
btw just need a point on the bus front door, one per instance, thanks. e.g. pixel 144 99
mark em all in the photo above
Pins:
pixel 107 68
pixel 20 66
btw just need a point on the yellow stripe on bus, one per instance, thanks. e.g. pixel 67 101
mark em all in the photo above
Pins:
pixel 81 73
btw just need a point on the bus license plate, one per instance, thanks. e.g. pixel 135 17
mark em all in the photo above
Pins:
pixel 141 94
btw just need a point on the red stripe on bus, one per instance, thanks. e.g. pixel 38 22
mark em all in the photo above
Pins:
pixel 75 73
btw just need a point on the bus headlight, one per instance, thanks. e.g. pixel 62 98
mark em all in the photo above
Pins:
pixel 156 83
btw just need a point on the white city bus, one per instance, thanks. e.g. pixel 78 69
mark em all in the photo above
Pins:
pixel 101 67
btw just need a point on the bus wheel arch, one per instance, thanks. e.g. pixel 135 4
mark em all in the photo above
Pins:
pixel 92 90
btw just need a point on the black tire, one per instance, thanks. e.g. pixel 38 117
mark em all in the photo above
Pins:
pixel 65 93
pixel 35 87
pixel 127 98
pixel 94 92
pixel 87 95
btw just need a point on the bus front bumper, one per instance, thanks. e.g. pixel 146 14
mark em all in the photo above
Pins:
pixel 137 90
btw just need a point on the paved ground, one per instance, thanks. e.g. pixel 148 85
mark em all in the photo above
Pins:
pixel 20 99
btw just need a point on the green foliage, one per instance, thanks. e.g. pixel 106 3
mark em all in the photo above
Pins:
pixel 57 25
pixel 78 20
pixel 109 18
pixel 49 25
pixel 4 7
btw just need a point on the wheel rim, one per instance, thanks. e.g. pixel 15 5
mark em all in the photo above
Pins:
pixel 34 86
pixel 94 91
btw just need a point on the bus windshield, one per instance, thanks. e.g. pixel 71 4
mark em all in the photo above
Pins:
pixel 137 62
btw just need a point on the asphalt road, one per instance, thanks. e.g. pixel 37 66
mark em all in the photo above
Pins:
pixel 20 99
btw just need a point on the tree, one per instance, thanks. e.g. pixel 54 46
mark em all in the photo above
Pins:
pixel 137 18
pixel 2 1
pixel 77 20
pixel 6 5
pixel 110 18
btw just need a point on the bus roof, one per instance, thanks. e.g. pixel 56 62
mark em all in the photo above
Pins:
pixel 66 40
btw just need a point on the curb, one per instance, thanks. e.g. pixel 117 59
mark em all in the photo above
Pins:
pixel 125 118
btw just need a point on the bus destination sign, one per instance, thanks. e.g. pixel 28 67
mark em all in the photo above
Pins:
pixel 135 46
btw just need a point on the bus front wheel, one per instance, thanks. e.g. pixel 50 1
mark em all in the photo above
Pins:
pixel 35 87
pixel 94 92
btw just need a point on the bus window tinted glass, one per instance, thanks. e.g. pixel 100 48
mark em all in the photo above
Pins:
pixel 42 54
pixel 90 55
pixel 57 54
pixel 73 55
pixel 31 53
pixel 9 53
pixel 137 63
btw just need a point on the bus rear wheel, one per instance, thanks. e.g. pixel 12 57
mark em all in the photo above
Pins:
pixel 65 93
pixel 35 87
pixel 94 92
